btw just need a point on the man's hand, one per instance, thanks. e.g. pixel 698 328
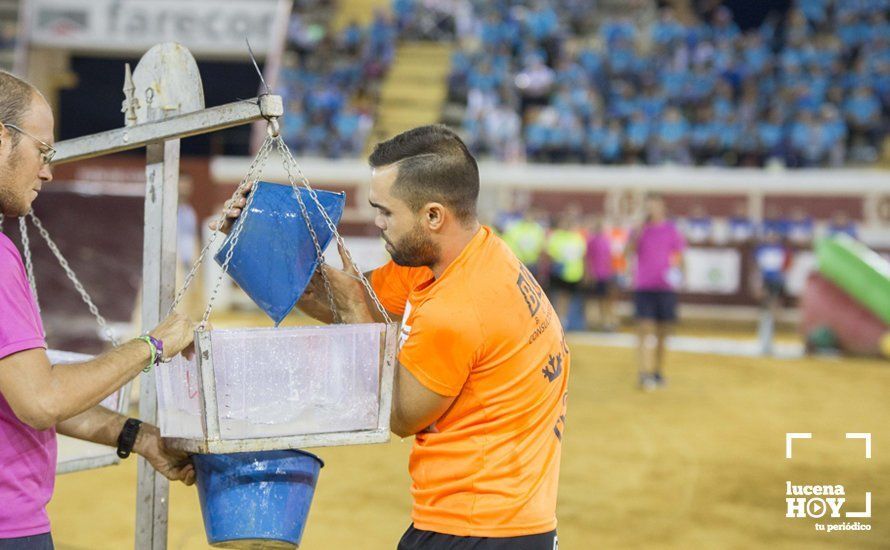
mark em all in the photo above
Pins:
pixel 347 290
pixel 232 210
pixel 174 465
pixel 177 332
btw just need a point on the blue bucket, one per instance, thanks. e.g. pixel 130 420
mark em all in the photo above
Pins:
pixel 253 499
pixel 275 256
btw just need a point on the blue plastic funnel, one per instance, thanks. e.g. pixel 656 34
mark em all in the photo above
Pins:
pixel 275 256
pixel 252 500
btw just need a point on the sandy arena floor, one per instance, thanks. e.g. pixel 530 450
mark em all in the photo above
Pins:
pixel 700 464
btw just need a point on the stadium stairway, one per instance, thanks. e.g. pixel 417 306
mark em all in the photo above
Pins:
pixel 414 90
pixel 360 11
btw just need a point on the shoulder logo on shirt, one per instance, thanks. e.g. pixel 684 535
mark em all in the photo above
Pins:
pixel 530 289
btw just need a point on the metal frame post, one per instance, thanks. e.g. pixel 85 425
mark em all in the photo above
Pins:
pixel 158 289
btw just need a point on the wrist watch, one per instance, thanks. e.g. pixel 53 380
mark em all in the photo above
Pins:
pixel 127 437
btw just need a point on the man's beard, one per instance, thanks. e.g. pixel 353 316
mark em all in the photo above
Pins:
pixel 10 203
pixel 415 249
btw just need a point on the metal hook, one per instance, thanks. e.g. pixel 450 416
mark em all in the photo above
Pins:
pixel 273 128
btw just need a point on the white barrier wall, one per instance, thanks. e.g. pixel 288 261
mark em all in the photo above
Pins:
pixel 619 189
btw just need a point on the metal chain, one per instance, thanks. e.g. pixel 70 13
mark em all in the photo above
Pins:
pixel 252 176
pixel 29 264
pixel 103 324
pixel 288 159
pixel 318 251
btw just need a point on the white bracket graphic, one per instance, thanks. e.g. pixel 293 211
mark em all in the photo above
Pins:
pixel 867 512
pixel 867 438
pixel 789 437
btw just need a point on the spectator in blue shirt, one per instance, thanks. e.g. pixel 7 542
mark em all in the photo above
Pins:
pixel 638 130
pixel 741 228
pixel 294 125
pixel 815 11
pixel 700 85
pixel 850 30
pixel 667 30
pixel 769 133
pixel 772 259
pixel 755 54
pixel 622 59
pixel 623 102
pixel 542 23
pixel 834 134
pixel 863 112
pixel 351 38
pixel 703 137
pixel 537 137
pixel 801 228
pixel 670 143
pixel 806 141
pixel 775 222
pixel 611 147
pixel 842 224
pixel 617 29
pixel 592 62
pixel 722 25
pixel 653 102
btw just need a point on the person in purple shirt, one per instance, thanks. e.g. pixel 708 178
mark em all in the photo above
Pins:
pixel 600 275
pixel 657 247
pixel 38 399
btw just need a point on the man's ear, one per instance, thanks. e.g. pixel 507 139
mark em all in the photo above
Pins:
pixel 434 215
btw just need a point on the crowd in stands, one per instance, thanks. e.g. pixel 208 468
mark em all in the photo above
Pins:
pixel 811 88
pixel 330 81
pixel 547 81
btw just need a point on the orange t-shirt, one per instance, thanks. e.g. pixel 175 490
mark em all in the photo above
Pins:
pixel 486 333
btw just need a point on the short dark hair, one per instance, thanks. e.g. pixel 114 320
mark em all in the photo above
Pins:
pixel 15 101
pixel 434 166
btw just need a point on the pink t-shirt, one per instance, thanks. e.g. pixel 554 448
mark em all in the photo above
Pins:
pixel 599 257
pixel 27 456
pixel 658 251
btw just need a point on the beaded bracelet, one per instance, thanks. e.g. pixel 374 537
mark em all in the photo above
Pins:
pixel 154 352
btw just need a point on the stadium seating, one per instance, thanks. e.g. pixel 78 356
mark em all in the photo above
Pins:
pixel 558 82
pixel 330 80
pixel 793 91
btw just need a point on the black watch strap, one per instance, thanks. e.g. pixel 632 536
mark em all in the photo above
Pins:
pixel 127 438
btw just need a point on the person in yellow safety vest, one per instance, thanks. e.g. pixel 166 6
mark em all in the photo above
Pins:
pixel 526 238
pixel 566 248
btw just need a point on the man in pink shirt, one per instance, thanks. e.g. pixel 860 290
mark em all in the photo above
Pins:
pixel 600 274
pixel 658 247
pixel 38 399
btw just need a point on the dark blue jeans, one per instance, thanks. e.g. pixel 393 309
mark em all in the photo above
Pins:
pixel 34 542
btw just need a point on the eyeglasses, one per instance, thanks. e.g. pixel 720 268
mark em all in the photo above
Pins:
pixel 47 151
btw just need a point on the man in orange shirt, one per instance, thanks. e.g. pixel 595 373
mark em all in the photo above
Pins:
pixel 483 364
